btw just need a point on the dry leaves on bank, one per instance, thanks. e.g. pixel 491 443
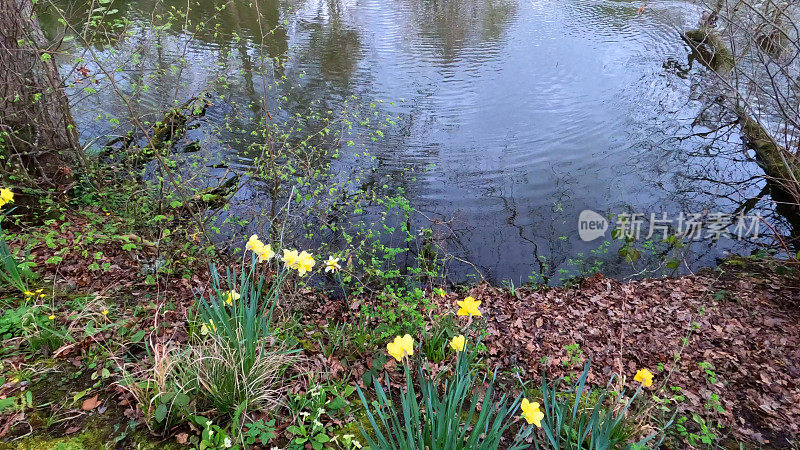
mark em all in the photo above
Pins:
pixel 738 339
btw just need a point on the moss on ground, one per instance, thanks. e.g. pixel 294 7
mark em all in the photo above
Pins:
pixel 98 433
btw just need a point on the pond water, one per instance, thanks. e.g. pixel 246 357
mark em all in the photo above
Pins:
pixel 513 115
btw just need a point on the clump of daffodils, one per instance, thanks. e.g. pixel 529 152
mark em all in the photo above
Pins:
pixel 264 252
pixel 302 262
pixel 403 346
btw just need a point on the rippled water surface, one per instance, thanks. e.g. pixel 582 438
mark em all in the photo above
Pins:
pixel 515 115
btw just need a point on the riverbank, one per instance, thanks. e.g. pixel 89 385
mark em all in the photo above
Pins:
pixel 229 226
pixel 722 344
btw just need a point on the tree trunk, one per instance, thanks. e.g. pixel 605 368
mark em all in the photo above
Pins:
pixel 38 139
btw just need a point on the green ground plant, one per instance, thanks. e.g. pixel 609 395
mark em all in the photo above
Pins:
pixel 443 419
pixel 435 339
pixel 260 431
pixel 236 367
pixel 166 392
pixel 313 412
pixel 33 328
pixel 571 422
pixel 11 271
pixel 15 273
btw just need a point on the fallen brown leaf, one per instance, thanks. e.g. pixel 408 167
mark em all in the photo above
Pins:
pixel 90 403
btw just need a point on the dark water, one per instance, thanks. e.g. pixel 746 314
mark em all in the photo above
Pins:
pixel 514 115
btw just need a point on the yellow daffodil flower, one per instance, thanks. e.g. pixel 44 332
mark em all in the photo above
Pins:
pixel 230 296
pixel 266 253
pixel 6 196
pixel 290 258
pixel 39 290
pixel 531 412
pixel 305 261
pixel 206 328
pixel 332 264
pixel 28 294
pixel 254 244
pixel 469 307
pixel 645 377
pixel 104 312
pixel 302 262
pixel 400 347
pixel 395 351
pixel 408 344
pixel 458 343
pixel 52 317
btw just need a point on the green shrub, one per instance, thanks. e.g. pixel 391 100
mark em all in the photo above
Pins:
pixel 13 322
pixel 315 411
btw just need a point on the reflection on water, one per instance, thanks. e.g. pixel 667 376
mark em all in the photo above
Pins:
pixel 524 112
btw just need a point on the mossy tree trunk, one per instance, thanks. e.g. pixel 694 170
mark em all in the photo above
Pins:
pixel 779 164
pixel 37 133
